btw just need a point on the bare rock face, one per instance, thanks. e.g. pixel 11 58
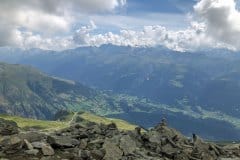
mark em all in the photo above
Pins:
pixel 105 142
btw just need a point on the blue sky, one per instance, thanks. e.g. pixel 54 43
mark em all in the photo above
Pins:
pixel 180 25
pixel 160 6
pixel 137 13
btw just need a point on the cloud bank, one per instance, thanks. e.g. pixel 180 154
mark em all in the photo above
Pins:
pixel 45 18
pixel 40 24
pixel 149 36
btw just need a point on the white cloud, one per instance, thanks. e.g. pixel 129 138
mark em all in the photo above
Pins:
pixel 45 17
pixel 82 35
pixel 29 40
pixel 189 39
pixel 47 25
pixel 150 36
pixel 222 20
pixel 216 25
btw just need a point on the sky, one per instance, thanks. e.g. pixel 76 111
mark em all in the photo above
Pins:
pixel 181 25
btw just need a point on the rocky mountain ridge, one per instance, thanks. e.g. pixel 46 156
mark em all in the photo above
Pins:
pixel 28 92
pixel 200 88
pixel 93 141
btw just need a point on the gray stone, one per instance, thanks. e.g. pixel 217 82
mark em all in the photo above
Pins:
pixel 47 150
pixel 83 143
pixel 155 137
pixel 32 152
pixel 62 141
pixel 8 127
pixel 84 154
pixel 38 145
pixel 113 152
pixel 28 145
pixel 32 136
pixel 11 144
pixel 98 154
pixel 127 144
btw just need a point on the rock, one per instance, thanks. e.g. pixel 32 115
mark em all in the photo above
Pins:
pixel 169 151
pixel 106 142
pixel 83 143
pixel 11 144
pixel 62 141
pixel 79 126
pixel 127 144
pixel 2 154
pixel 32 152
pixel 197 140
pixel 232 147
pixel 112 126
pixel 229 158
pixel 155 137
pixel 203 150
pixel 32 136
pixel 8 127
pixel 28 145
pixel 83 154
pixel 38 145
pixel 46 158
pixel 163 122
pixel 113 152
pixel 96 143
pixel 83 135
pixel 98 154
pixel 96 129
pixel 47 150
pixel 137 131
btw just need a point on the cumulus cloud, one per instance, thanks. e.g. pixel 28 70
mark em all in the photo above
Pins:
pixel 48 24
pixel 149 36
pixel 216 25
pixel 82 35
pixel 29 40
pixel 189 39
pixel 45 17
pixel 222 20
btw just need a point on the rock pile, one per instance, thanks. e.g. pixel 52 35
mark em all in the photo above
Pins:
pixel 106 142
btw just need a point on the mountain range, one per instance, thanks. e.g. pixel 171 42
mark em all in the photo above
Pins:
pixel 27 92
pixel 143 84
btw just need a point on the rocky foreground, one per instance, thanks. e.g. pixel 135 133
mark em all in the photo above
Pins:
pixel 96 142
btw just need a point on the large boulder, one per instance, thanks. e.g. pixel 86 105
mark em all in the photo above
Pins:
pixel 128 145
pixel 8 127
pixel 204 150
pixel 113 152
pixel 62 141
pixel 47 150
pixel 11 144
pixel 32 136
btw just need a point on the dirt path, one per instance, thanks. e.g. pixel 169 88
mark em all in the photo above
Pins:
pixel 73 118
pixel 60 127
